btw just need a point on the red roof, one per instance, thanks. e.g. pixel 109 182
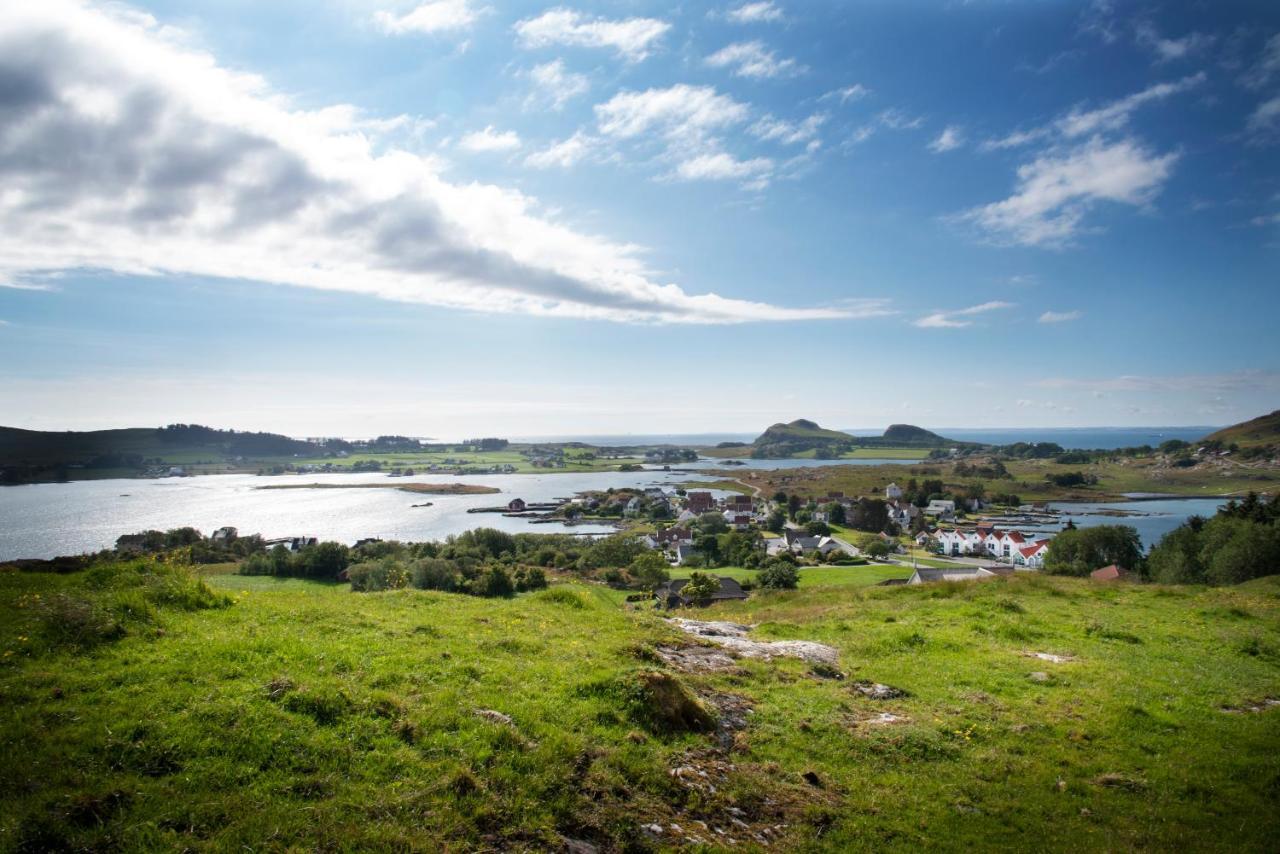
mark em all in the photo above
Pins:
pixel 1016 537
pixel 1028 551
pixel 1109 573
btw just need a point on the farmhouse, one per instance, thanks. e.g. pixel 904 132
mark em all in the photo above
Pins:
pixel 944 510
pixel 669 596
pixel 700 502
pixel 892 492
pixel 1110 573
pixel 965 573
pixel 1032 556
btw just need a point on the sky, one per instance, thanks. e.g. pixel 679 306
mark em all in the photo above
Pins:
pixel 460 217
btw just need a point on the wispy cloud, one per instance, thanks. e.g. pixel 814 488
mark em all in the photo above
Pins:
pixel 436 17
pixel 1264 122
pixel 1080 122
pixel 1056 191
pixel 1267 66
pixel 896 119
pixel 1199 383
pixel 755 13
pixel 845 94
pixel 1060 316
pixel 770 129
pixel 563 154
pixel 721 166
pixel 752 59
pixel 490 139
pixel 1170 50
pixel 958 318
pixel 260 190
pixel 634 39
pixel 950 139
pixel 554 85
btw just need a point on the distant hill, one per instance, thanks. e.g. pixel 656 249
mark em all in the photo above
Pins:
pixel 801 430
pixel 801 435
pixel 37 455
pixel 913 434
pixel 1263 430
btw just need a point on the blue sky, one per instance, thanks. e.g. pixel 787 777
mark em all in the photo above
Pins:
pixel 455 217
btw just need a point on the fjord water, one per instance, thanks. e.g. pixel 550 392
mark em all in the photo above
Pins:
pixel 49 519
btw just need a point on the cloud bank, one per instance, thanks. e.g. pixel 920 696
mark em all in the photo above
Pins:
pixel 124 149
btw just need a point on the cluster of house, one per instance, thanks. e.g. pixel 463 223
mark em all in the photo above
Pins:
pixel 1012 546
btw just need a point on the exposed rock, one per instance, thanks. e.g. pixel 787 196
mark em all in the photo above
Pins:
pixel 578 846
pixel 494 717
pixel 733 636
pixel 666 705
pixel 1050 657
pixel 884 718
pixel 876 691
pixel 694 659
pixel 1254 706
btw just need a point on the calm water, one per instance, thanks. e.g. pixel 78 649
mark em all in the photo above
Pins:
pixel 50 519
pixel 1160 517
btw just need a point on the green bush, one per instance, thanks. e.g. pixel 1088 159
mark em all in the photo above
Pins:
pixel 375 575
pixel 780 576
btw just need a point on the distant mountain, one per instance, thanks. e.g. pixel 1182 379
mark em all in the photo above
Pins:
pixel 801 430
pixel 39 455
pixel 912 434
pixel 1263 430
pixel 803 435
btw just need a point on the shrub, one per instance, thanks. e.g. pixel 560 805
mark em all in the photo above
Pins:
pixel 780 576
pixel 530 578
pixel 434 574
pixel 375 575
pixel 493 583
pixel 562 596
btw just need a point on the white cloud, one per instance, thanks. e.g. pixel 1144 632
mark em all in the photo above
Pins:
pixel 752 59
pixel 1268 65
pixel 562 154
pixel 554 85
pixel 770 129
pixel 434 17
pixel 1170 50
pixel 1079 122
pixel 754 13
pixel 1264 121
pixel 725 167
pixel 896 119
pixel 126 150
pixel 679 113
pixel 1060 316
pixel 948 319
pixel 490 139
pixel 633 38
pixel 1116 114
pixel 950 139
pixel 1058 189
pixel 856 92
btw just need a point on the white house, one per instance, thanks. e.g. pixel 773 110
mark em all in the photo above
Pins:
pixel 1032 556
pixel 940 508
pixel 902 513
pixel 892 492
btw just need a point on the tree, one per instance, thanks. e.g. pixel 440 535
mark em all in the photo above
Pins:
pixel 708 545
pixel 494 583
pixel 835 513
pixel 817 529
pixel 649 570
pixel 780 497
pixel 793 505
pixel 780 576
pixel 701 587
pixel 876 548
pixel 1080 551
pixel 777 521
pixel 712 523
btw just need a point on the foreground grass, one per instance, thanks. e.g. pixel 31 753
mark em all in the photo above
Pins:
pixel 294 714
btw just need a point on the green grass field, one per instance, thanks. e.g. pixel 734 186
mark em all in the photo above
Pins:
pixel 815 576
pixel 294 715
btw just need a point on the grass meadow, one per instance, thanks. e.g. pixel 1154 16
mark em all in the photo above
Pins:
pixel 148 709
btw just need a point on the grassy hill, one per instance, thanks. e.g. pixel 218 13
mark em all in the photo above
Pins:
pixel 143 711
pixel 800 430
pixel 1263 430
pixel 136 448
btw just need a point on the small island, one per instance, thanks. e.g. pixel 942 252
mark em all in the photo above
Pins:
pixel 419 488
